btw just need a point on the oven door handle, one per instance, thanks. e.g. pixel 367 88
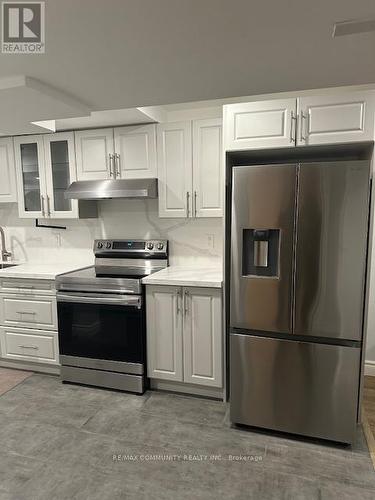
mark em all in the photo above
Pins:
pixel 118 300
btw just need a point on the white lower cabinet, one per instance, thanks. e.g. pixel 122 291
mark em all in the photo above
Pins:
pixel 29 345
pixel 202 336
pixel 28 321
pixel 185 334
pixel 28 311
pixel 164 332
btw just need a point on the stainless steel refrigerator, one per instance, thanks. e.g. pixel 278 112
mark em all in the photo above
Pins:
pixel 297 286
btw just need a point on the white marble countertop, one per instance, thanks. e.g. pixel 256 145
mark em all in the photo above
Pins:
pixel 47 271
pixel 186 276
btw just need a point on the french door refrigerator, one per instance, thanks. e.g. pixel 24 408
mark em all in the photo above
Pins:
pixel 297 285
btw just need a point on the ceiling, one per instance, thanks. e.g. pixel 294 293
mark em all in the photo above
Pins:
pixel 125 53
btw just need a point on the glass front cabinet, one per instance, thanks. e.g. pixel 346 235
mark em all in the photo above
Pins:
pixel 45 167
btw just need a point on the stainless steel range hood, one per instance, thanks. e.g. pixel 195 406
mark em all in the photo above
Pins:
pixel 120 188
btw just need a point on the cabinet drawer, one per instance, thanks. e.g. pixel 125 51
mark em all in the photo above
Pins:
pixel 27 286
pixel 21 310
pixel 29 345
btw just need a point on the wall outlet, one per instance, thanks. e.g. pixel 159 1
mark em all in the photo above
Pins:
pixel 211 241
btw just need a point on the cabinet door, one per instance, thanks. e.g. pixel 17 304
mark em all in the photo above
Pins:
pixel 164 332
pixel 175 169
pixel 135 148
pixel 60 173
pixel 260 125
pixel 208 184
pixel 93 148
pixel 347 117
pixel 30 170
pixel 203 336
pixel 7 171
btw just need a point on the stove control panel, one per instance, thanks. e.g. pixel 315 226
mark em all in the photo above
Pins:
pixel 154 247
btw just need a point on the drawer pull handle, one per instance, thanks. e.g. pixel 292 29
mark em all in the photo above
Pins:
pixel 26 312
pixel 28 346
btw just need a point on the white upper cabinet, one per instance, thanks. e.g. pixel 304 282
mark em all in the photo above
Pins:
pixel 208 183
pixel 8 190
pixel 325 119
pixel 164 332
pixel 347 117
pixel 135 151
pixel 174 169
pixel 45 167
pixel 203 337
pixel 60 173
pixel 260 125
pixel 31 181
pixel 190 168
pixel 94 150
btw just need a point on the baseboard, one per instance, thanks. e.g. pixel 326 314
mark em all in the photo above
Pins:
pixel 370 368
pixel 182 388
pixel 33 367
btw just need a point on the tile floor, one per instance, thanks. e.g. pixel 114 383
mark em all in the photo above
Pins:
pixel 70 442
pixel 10 378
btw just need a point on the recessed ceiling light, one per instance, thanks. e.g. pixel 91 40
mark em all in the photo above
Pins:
pixel 353 27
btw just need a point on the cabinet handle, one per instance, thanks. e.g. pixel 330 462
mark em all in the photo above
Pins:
pixel 186 308
pixel 117 165
pixel 178 298
pixel 42 205
pixel 28 346
pixel 48 207
pixel 111 169
pixel 27 312
pixel 303 118
pixel 187 204
pixel 293 127
pixel 195 203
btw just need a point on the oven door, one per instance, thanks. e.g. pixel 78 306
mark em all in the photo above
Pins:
pixel 102 331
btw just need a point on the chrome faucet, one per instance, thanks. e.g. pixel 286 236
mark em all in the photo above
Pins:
pixel 4 253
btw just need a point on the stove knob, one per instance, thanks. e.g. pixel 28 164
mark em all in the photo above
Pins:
pixel 108 244
pixel 160 246
pixel 150 246
pixel 100 244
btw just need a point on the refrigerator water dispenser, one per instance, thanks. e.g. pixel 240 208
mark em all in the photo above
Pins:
pixel 260 252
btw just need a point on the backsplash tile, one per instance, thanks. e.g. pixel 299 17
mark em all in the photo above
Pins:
pixel 117 219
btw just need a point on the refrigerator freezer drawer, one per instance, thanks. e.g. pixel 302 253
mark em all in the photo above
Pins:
pixel 298 387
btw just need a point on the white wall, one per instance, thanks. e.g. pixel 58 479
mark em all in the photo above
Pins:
pixel 117 219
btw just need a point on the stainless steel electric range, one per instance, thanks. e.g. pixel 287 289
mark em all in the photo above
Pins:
pixel 101 315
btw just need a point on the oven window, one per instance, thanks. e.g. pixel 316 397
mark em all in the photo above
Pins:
pixel 97 331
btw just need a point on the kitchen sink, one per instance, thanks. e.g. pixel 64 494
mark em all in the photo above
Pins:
pixel 5 266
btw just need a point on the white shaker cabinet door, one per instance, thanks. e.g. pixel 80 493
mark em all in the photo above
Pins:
pixel 93 150
pixel 345 117
pixel 175 169
pixel 203 336
pixel 164 332
pixel 8 190
pixel 135 148
pixel 208 187
pixel 260 125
